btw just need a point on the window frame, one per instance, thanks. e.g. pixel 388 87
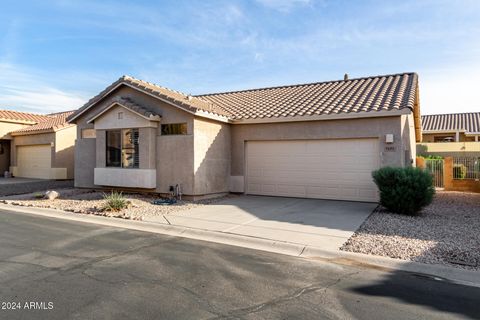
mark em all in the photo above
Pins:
pixel 444 138
pixel 121 132
pixel 88 133
pixel 171 124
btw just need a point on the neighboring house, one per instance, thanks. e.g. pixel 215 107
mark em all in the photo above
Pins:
pixel 44 150
pixel 318 140
pixel 11 121
pixel 456 134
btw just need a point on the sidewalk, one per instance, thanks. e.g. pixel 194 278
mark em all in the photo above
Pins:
pixel 438 272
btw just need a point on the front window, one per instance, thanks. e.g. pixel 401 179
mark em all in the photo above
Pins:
pixel 122 148
pixel 174 129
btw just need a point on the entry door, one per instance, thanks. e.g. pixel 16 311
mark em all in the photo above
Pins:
pixel 325 169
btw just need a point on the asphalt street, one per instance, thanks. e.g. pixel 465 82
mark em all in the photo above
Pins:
pixel 57 269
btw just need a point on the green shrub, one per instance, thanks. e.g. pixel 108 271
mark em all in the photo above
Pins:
pixel 459 171
pixel 434 165
pixel 114 201
pixel 404 190
pixel 432 157
pixel 38 195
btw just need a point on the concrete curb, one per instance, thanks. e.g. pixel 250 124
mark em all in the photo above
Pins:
pixel 445 273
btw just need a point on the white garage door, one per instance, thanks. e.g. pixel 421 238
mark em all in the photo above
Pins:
pixel 324 169
pixel 34 161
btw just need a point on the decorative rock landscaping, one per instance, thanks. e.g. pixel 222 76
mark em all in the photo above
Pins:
pixel 446 232
pixel 91 202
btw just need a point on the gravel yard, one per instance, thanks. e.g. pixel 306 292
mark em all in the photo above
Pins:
pixel 91 202
pixel 447 232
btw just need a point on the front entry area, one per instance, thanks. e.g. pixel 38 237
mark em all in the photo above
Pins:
pixel 337 169
pixel 4 156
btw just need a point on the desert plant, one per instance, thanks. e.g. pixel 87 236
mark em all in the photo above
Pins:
pixel 404 190
pixel 432 157
pixel 38 195
pixel 459 171
pixel 114 201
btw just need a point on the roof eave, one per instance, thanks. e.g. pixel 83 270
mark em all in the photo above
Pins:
pixel 26 133
pixel 117 103
pixel 121 82
pixel 443 131
pixel 336 116
pixel 19 121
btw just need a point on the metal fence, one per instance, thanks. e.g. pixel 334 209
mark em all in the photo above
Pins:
pixel 466 168
pixel 435 167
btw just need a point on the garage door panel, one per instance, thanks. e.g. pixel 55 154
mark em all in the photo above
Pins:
pixel 329 169
pixel 34 161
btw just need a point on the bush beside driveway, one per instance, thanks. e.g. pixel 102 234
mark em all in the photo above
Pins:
pixel 446 232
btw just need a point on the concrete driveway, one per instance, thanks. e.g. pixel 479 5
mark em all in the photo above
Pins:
pixel 325 224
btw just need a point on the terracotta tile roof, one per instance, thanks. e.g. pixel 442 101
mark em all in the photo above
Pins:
pixel 389 92
pixel 370 94
pixel 184 101
pixel 131 105
pixel 52 122
pixel 468 122
pixel 32 118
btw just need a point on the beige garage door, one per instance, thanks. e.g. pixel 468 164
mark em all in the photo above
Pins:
pixel 323 169
pixel 34 161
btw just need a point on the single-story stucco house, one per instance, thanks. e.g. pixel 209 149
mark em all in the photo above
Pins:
pixel 450 135
pixel 317 140
pixel 44 150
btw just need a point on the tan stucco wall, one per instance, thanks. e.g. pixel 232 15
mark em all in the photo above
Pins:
pixel 175 163
pixel 84 162
pixel 7 127
pixel 212 156
pixel 110 120
pixel 408 140
pixel 62 149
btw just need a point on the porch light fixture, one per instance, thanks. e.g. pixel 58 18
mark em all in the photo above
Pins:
pixel 389 138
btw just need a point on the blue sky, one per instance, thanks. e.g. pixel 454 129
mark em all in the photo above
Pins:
pixel 55 55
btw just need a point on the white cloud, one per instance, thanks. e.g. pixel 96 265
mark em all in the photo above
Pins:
pixel 284 5
pixel 259 57
pixel 26 91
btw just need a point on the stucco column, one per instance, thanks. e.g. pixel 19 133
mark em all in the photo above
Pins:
pixel 147 147
pixel 448 173
pixel 101 149
pixel 420 162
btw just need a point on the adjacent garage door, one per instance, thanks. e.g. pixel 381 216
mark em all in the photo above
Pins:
pixel 34 161
pixel 324 169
